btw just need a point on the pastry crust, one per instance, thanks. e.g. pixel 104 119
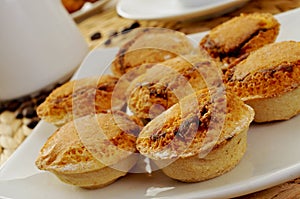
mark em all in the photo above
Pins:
pixel 219 161
pixel 92 151
pixel 265 77
pixel 282 107
pixel 187 130
pixel 150 45
pixel 164 84
pixel 78 98
pixel 239 36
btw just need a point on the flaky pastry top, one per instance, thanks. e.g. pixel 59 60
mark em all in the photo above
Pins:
pixel 78 98
pixel 270 71
pixel 89 143
pixel 198 123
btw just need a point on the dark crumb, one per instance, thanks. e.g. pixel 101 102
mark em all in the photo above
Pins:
pixel 33 123
pixel 113 34
pixel 158 135
pixel 29 112
pixel 2 107
pixel 41 98
pixel 96 35
pixel 13 105
pixel 19 115
pixel 107 42
pixel 133 26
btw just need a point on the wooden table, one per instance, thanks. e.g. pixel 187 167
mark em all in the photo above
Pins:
pixel 107 22
pixel 97 29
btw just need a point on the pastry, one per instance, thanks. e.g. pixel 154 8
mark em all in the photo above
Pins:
pixel 78 98
pixel 92 151
pixel 268 80
pixel 72 5
pixel 150 45
pixel 201 137
pixel 234 39
pixel 165 83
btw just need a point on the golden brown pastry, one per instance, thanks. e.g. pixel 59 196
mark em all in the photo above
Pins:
pixel 78 98
pixel 150 45
pixel 165 83
pixel 237 37
pixel 201 137
pixel 73 5
pixel 91 151
pixel 268 80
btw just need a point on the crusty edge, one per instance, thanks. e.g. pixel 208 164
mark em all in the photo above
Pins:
pixel 282 107
pixel 219 161
pixel 265 83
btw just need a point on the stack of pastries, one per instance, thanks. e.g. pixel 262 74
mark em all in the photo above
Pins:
pixel 186 108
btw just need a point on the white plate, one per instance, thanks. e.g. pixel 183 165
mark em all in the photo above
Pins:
pixel 88 8
pixel 171 9
pixel 272 155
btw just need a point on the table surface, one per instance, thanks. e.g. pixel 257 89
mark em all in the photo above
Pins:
pixel 97 29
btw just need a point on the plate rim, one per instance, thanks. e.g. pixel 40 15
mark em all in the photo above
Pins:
pixel 80 14
pixel 220 7
pixel 273 178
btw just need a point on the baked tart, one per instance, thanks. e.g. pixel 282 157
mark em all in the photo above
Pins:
pixel 268 80
pixel 150 45
pixel 165 83
pixel 236 38
pixel 92 151
pixel 81 97
pixel 199 138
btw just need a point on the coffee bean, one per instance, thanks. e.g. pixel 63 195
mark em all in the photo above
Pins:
pixel 107 42
pixel 26 104
pixel 33 123
pixel 2 107
pixel 19 115
pixel 41 98
pixel 125 30
pixel 29 112
pixel 24 99
pixel 113 34
pixel 96 35
pixel 24 109
pixel 133 26
pixel 13 105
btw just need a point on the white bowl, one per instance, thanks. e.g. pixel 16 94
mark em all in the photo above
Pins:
pixel 40 45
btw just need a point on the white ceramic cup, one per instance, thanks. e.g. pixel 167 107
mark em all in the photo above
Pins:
pixel 40 45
